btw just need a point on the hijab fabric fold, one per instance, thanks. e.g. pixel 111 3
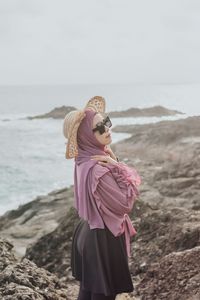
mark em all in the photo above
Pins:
pixel 89 201
pixel 88 145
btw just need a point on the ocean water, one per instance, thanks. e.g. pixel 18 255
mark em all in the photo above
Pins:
pixel 32 152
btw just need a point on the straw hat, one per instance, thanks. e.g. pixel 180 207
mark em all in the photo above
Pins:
pixel 72 121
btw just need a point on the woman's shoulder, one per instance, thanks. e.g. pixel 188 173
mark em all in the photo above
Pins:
pixel 99 170
pixel 120 172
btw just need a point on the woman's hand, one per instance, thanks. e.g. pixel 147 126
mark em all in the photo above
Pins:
pixel 104 159
pixel 110 152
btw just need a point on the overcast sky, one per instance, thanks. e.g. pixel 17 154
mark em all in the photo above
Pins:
pixel 99 41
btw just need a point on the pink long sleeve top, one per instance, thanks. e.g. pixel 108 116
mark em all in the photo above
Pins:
pixel 115 192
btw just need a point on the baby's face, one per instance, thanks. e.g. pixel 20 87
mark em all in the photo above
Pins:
pixel 104 138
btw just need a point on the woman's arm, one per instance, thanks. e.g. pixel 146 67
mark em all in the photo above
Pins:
pixel 114 194
pixel 118 188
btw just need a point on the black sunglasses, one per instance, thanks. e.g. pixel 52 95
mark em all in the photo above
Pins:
pixel 101 125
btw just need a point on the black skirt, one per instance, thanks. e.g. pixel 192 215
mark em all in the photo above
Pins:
pixel 99 260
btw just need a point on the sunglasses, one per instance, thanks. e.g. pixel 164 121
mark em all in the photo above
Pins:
pixel 101 125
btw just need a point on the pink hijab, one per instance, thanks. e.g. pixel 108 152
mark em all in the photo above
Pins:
pixel 88 145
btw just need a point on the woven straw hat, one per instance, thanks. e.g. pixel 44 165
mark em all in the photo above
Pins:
pixel 72 121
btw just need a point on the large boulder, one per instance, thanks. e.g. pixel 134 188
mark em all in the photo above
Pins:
pixel 175 276
pixel 53 250
pixel 30 221
pixel 23 280
pixel 161 231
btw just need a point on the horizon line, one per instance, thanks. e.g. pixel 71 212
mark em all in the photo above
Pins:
pixel 86 84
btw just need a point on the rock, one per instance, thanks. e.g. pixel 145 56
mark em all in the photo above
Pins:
pixel 163 132
pixel 52 251
pixel 30 221
pixel 24 280
pixel 160 232
pixel 155 111
pixel 56 113
pixel 166 160
pixel 176 276
pixel 6 255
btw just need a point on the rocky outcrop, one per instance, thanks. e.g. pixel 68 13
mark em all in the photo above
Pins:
pixel 30 221
pixel 163 133
pixel 24 280
pixel 56 113
pixel 176 276
pixel 167 155
pixel 155 111
pixel 52 251
pixel 161 231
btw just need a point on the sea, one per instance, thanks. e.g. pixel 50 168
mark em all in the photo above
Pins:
pixel 32 152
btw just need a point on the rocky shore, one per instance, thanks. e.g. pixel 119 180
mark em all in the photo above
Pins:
pixel 165 255
pixel 24 280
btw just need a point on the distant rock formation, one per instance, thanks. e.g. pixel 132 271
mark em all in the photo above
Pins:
pixel 155 111
pixel 56 113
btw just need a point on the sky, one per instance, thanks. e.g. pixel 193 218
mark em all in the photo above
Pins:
pixel 99 41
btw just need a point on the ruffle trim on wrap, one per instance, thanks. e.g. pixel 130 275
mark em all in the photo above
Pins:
pixel 129 179
pixel 126 177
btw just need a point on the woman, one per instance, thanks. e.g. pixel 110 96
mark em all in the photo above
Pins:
pixel 105 191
